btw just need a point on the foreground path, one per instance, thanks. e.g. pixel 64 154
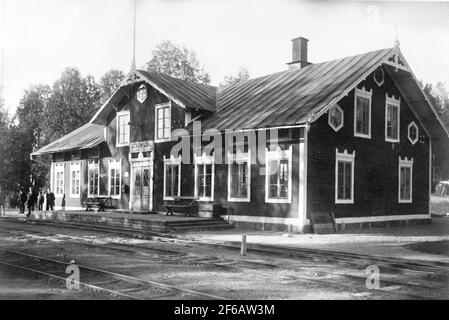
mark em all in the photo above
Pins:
pixel 177 269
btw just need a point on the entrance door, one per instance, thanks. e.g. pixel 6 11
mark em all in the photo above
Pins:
pixel 141 200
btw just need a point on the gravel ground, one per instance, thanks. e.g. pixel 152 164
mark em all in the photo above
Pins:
pixel 258 276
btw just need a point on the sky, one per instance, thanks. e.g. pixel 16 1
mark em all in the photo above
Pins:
pixel 40 38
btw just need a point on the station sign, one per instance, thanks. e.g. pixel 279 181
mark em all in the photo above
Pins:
pixel 141 146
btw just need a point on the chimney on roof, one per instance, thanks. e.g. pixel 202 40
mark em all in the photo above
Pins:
pixel 299 53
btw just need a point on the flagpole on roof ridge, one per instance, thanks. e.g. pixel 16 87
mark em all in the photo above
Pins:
pixel 133 63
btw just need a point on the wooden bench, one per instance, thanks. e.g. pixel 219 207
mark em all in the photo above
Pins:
pixel 185 203
pixel 97 203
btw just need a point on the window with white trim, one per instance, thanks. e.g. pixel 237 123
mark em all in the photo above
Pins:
pixel 122 128
pixel 362 113
pixel 59 179
pixel 204 177
pixel 412 132
pixel 392 118
pixel 344 176
pixel 115 168
pixel 172 178
pixel 239 177
pixel 335 118
pixel 93 178
pixel 75 176
pixel 278 179
pixel 163 122
pixel 405 180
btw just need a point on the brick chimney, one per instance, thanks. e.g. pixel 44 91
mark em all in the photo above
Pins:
pixel 299 53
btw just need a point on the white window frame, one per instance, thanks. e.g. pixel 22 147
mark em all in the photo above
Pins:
pixel 118 129
pixel 368 95
pixel 394 103
pixel 142 88
pixel 58 168
pixel 117 165
pixel 156 121
pixel 204 160
pixel 239 158
pixel 336 129
pixel 405 163
pixel 278 154
pixel 344 156
pixel 75 166
pixel 172 161
pixel 413 124
pixel 96 165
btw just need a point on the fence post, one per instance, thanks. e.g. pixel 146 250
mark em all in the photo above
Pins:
pixel 243 248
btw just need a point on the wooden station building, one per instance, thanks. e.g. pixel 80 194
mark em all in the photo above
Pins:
pixel 354 137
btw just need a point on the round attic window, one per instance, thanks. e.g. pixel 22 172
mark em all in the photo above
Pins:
pixel 142 93
pixel 379 76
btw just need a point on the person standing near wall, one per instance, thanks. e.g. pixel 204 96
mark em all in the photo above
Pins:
pixel 50 200
pixel 41 201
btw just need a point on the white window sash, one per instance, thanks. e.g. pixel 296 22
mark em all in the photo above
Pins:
pixel 392 103
pixel 59 168
pixel 75 183
pixel 405 163
pixel 115 165
pixel 120 128
pixel 278 155
pixel 239 158
pixel 204 160
pixel 367 95
pixel 158 107
pixel 96 166
pixel 344 157
pixel 167 162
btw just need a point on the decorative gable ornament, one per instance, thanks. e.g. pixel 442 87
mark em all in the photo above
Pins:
pixel 379 76
pixel 397 61
pixel 335 118
pixel 412 132
pixel 142 93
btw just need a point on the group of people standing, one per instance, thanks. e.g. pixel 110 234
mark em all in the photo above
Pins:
pixel 30 199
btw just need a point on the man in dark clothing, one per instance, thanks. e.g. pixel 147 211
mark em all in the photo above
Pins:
pixel 41 201
pixel 31 201
pixel 22 201
pixel 50 200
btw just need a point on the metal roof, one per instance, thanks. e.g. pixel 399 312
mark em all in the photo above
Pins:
pixel 87 136
pixel 190 94
pixel 290 97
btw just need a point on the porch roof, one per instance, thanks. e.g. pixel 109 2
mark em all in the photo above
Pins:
pixel 87 136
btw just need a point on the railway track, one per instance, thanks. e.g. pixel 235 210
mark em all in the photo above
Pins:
pixel 141 288
pixel 351 281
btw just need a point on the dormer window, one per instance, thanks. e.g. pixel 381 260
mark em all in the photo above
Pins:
pixel 412 133
pixel 392 114
pixel 335 118
pixel 163 122
pixel 122 128
pixel 362 113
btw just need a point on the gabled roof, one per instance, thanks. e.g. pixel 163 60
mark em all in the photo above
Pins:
pixel 290 97
pixel 87 136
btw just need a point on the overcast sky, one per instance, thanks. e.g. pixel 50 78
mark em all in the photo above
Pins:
pixel 42 37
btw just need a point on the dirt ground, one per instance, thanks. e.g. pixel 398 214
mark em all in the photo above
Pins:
pixel 179 264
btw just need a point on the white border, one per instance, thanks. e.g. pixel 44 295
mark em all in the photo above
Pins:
pixel 344 157
pixel 395 103
pixel 142 87
pixel 117 130
pixel 336 129
pixel 406 163
pixel 379 83
pixel 172 161
pixel 417 132
pixel 278 154
pixel 240 158
pixel 368 95
pixel 382 218
pixel 204 160
pixel 156 108
pixel 115 164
